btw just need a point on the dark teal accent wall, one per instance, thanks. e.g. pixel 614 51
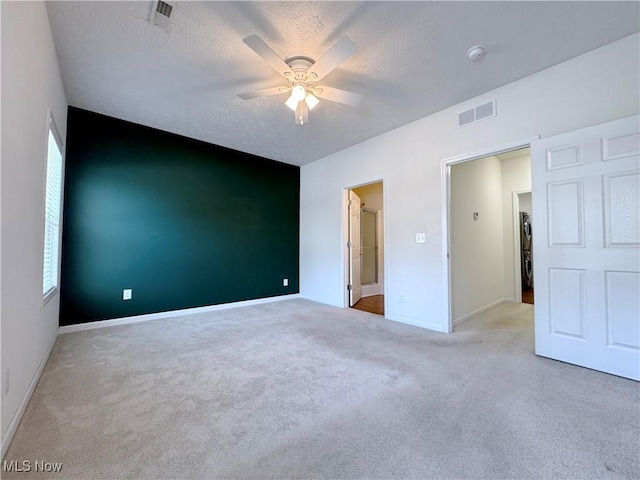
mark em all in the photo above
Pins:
pixel 181 222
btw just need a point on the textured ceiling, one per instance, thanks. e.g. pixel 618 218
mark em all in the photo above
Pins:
pixel 411 62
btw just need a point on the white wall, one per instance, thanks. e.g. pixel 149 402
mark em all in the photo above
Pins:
pixel 525 204
pixel 516 176
pixel 596 87
pixel 477 270
pixel 31 84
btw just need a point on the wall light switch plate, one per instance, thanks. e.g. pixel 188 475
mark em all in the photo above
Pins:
pixel 421 237
pixel 127 293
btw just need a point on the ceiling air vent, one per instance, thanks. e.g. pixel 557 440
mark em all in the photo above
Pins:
pixel 161 13
pixel 473 115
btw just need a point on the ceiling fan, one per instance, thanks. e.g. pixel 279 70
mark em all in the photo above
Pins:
pixel 302 75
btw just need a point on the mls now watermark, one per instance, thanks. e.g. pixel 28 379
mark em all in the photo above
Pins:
pixel 29 466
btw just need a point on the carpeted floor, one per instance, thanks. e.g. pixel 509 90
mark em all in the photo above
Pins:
pixel 295 389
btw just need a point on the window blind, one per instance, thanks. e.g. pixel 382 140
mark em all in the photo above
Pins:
pixel 52 216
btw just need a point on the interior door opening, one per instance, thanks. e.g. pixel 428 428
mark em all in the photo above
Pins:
pixel 490 233
pixel 524 229
pixel 365 248
pixel 586 274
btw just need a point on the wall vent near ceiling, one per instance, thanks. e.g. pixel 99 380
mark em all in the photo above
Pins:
pixel 160 13
pixel 473 115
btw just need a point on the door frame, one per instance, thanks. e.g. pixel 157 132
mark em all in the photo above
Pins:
pixel 517 267
pixel 344 251
pixel 354 208
pixel 445 171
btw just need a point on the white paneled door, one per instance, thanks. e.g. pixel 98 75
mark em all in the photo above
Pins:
pixel 586 200
pixel 355 250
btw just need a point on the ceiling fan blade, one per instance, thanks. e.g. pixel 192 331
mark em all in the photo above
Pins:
pixel 338 53
pixel 337 95
pixel 255 43
pixel 264 92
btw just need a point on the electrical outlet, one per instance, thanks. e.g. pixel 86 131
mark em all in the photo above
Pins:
pixel 402 298
pixel 493 287
pixel 285 282
pixel 127 294
pixel 5 386
pixel 421 237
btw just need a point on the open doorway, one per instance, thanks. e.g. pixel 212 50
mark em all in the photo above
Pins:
pixel 562 167
pixel 489 247
pixel 365 246
pixel 523 226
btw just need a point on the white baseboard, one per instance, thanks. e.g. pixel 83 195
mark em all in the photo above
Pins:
pixel 511 300
pixel 17 417
pixel 478 311
pixel 371 290
pixel 415 323
pixel 174 313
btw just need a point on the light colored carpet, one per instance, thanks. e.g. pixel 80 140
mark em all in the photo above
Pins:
pixel 296 389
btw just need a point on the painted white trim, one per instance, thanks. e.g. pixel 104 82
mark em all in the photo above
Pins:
pixel 381 248
pixel 466 317
pixel 510 300
pixel 416 323
pixel 50 294
pixel 174 313
pixel 489 152
pixel 445 175
pixel 17 417
pixel 371 289
pixel 345 250
pixel 385 244
pixel 445 182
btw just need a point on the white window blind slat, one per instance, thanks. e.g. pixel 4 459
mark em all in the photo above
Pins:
pixel 53 193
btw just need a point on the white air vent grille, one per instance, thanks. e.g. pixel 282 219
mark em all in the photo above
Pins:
pixel 164 9
pixel 486 110
pixel 161 13
pixel 467 117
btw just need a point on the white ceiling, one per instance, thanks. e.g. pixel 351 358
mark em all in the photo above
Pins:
pixel 411 62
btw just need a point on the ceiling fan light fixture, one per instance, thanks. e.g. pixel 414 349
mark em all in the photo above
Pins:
pixel 301 74
pixel 311 100
pixel 298 92
pixel 302 113
pixel 292 102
